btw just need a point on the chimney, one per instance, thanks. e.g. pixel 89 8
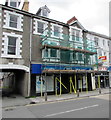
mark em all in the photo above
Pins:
pixel 25 5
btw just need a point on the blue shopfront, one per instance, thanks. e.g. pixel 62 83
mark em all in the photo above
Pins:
pixel 39 80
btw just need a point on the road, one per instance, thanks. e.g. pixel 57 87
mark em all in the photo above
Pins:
pixel 91 107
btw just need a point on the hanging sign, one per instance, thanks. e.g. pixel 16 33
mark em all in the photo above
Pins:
pixel 103 58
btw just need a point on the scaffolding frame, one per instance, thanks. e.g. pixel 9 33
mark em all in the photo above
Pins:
pixel 88 49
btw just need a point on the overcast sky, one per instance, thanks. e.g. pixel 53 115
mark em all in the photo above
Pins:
pixel 92 14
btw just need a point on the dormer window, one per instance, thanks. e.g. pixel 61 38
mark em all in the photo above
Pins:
pixel 43 11
pixel 13 3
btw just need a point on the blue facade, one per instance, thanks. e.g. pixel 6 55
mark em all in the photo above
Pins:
pixel 37 68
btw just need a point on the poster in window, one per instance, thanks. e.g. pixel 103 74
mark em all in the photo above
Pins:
pixel 84 82
pixel 40 83
pixel 50 83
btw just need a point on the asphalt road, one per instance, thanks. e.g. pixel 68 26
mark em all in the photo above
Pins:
pixel 92 107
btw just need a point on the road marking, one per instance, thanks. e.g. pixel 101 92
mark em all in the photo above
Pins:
pixel 72 110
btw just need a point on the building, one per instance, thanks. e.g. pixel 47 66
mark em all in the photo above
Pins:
pixel 38 54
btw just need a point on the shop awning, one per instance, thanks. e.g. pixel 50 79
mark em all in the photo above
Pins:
pixel 67 71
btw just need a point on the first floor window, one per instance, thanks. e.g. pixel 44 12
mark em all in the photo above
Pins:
pixel 53 53
pixel 11 45
pixel 46 53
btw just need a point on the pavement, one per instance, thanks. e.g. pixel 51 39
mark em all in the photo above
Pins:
pixel 17 100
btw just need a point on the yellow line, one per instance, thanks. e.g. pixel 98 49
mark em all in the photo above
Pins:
pixel 49 102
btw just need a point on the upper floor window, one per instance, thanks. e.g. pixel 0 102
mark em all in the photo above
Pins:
pixel 53 53
pixel 103 42
pixel 13 4
pixel 11 45
pixel 13 21
pixel 40 27
pixel 75 34
pixel 50 53
pixel 45 13
pixel 108 42
pixel 96 41
pixel 56 31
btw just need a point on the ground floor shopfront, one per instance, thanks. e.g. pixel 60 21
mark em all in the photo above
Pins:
pixel 58 82
pixel 103 77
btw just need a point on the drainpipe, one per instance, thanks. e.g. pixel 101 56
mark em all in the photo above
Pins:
pixel 30 52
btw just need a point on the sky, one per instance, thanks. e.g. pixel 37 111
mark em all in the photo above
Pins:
pixel 92 14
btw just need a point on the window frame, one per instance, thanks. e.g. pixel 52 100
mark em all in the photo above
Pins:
pixel 49 53
pixel 11 21
pixel 12 46
pixel 60 31
pixel 75 29
pixel 7 21
pixel 5 44
pixel 36 27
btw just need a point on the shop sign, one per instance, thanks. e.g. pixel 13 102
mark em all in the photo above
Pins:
pixel 103 68
pixel 103 58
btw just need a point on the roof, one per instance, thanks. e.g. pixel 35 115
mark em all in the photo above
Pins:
pixel 71 21
pixel 74 20
pixel 99 35
pixel 33 15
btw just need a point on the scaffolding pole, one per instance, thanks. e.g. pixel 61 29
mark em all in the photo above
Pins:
pixel 75 82
pixel 60 85
pixel 41 86
pixel 99 81
pixel 72 86
pixel 86 84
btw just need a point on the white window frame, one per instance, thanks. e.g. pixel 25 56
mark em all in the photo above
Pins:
pixel 17 3
pixel 7 21
pixel 61 31
pixel 70 33
pixel 5 44
pixel 0 17
pixel 49 56
pixel 36 26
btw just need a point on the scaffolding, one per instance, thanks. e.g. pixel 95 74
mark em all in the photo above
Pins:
pixel 61 54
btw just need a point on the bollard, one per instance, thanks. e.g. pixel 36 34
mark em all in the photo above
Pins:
pixel 77 93
pixel 45 95
pixel 99 90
